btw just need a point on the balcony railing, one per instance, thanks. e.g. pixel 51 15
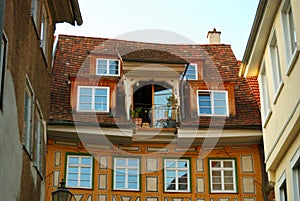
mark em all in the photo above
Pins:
pixel 159 116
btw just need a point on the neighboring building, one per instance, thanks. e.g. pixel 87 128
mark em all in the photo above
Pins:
pixel 272 54
pixel 25 66
pixel 205 142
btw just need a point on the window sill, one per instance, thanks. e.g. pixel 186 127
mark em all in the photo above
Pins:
pixel 266 119
pixel 91 112
pixel 83 188
pixel 27 152
pixel 292 62
pixel 223 192
pixel 278 93
pixel 128 190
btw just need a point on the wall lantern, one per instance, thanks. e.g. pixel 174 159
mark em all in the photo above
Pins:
pixel 62 193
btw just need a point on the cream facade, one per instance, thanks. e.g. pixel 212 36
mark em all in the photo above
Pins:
pixel 272 54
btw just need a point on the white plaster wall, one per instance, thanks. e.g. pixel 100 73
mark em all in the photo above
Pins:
pixel 10 146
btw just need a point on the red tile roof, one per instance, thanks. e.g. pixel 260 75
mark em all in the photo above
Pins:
pixel 253 83
pixel 219 64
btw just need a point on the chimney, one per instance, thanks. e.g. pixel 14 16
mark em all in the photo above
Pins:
pixel 214 36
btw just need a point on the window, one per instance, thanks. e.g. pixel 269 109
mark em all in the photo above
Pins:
pixel 177 175
pixel 44 27
pixel 126 174
pixel 222 176
pixel 108 67
pixel 282 188
pixel 289 33
pixel 39 140
pixel 275 62
pixel 2 66
pixel 35 10
pixel 79 171
pixel 93 99
pixel 28 118
pixel 264 94
pixel 191 72
pixel 212 103
pixel 295 165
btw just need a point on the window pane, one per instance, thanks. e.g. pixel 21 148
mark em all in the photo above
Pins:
pixel 85 177
pixel 73 169
pixel 132 162
pixel 228 180
pixel 220 111
pixel 85 99
pixel 219 96
pixel 86 161
pixel 85 91
pixel 171 164
pixel 132 186
pixel 205 110
pixel 228 187
pixel 182 164
pixel 217 187
pixel 183 186
pixel 219 103
pixel 86 170
pixel 73 160
pixel 85 184
pixel 120 162
pixel 120 185
pixel 216 180
pixel 101 92
pixel 216 173
pixel 72 183
pixel 72 176
pixel 228 173
pixel 215 163
pixel 171 186
pixel 85 106
pixel 171 173
pixel 227 163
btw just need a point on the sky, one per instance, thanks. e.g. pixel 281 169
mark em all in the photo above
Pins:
pixel 166 21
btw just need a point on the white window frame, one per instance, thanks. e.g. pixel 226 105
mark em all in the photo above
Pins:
pixel 3 56
pixel 93 98
pixel 43 31
pixel 211 93
pixel 28 118
pixel 107 66
pixel 79 166
pixel 126 167
pixel 177 169
pixel 264 94
pixel 282 188
pixel 290 36
pixel 222 169
pixel 295 167
pixel 196 72
pixel 39 141
pixel 275 65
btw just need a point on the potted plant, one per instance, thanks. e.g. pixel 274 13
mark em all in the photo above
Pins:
pixel 135 115
pixel 172 103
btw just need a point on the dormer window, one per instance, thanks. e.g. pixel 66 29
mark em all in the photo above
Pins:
pixel 95 99
pixel 109 67
pixel 212 103
pixel 191 72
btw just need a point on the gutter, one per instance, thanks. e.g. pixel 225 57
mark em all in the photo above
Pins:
pixel 253 33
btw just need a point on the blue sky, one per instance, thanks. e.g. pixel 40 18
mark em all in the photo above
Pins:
pixel 171 21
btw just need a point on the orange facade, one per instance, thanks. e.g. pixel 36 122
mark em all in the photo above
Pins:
pixel 152 178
